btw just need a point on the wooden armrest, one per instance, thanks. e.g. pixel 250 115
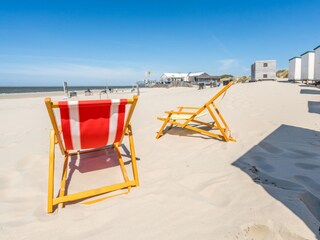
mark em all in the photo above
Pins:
pixel 174 112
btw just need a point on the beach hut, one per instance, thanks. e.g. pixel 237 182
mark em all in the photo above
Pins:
pixel 317 63
pixel 263 70
pixel 295 69
pixel 307 66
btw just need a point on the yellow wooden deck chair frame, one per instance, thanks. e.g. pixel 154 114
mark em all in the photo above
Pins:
pixel 56 138
pixel 187 115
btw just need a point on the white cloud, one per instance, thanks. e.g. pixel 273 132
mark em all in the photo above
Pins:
pixel 228 64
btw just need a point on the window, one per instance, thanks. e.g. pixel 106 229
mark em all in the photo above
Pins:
pixel 265 75
pixel 265 64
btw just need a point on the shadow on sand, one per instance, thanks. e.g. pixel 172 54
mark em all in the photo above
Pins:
pixel 103 159
pixel 309 91
pixel 178 131
pixel 287 164
pixel 314 107
pixel 308 85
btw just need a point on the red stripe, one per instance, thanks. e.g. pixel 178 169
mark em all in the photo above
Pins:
pixel 121 117
pixel 94 117
pixel 65 124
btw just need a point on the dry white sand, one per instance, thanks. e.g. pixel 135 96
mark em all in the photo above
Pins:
pixel 264 186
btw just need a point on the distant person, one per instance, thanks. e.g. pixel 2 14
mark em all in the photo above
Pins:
pixel 88 92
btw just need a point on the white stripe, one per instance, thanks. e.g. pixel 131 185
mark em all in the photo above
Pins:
pixel 74 124
pixel 113 120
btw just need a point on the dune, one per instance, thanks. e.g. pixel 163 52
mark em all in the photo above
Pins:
pixel 264 186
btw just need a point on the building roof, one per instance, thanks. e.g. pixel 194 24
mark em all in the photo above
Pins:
pixel 175 75
pixel 316 47
pixel 196 74
pixel 182 75
pixel 307 52
pixel 293 58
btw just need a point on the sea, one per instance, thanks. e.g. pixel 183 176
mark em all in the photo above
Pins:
pixel 8 90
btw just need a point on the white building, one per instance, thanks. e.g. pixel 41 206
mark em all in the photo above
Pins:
pixel 191 77
pixel 263 70
pixel 174 77
pixel 294 69
pixel 317 63
pixel 307 65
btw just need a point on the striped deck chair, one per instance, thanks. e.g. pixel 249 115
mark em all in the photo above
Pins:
pixel 185 116
pixel 87 126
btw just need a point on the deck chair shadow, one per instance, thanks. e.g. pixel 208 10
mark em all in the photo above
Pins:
pixel 186 117
pixel 87 126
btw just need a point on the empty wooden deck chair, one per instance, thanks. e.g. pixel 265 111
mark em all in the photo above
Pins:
pixel 87 126
pixel 186 117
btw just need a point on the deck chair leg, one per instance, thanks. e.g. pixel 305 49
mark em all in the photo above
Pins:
pixel 171 125
pixel 123 169
pixel 133 157
pixel 51 172
pixel 64 178
pixel 218 125
pixel 125 176
pixel 220 116
pixel 227 129
pixel 163 126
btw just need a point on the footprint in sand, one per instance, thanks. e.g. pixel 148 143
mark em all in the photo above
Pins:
pixel 259 232
pixel 270 148
pixel 264 232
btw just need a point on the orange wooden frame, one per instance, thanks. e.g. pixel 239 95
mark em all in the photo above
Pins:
pixel 55 138
pixel 186 115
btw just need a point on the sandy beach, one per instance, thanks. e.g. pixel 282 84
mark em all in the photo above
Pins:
pixel 264 186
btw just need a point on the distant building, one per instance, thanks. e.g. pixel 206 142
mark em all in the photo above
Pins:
pixel 317 63
pixel 307 65
pixel 174 77
pixel 263 70
pixel 194 78
pixel 294 69
pixel 202 77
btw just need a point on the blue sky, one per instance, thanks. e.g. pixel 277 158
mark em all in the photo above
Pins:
pixel 43 43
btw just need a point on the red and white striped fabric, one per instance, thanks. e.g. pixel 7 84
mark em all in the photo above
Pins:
pixel 92 123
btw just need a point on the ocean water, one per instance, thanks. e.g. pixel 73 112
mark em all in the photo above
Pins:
pixel 8 90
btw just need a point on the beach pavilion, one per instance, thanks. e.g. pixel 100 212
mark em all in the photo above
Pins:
pixel 191 77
